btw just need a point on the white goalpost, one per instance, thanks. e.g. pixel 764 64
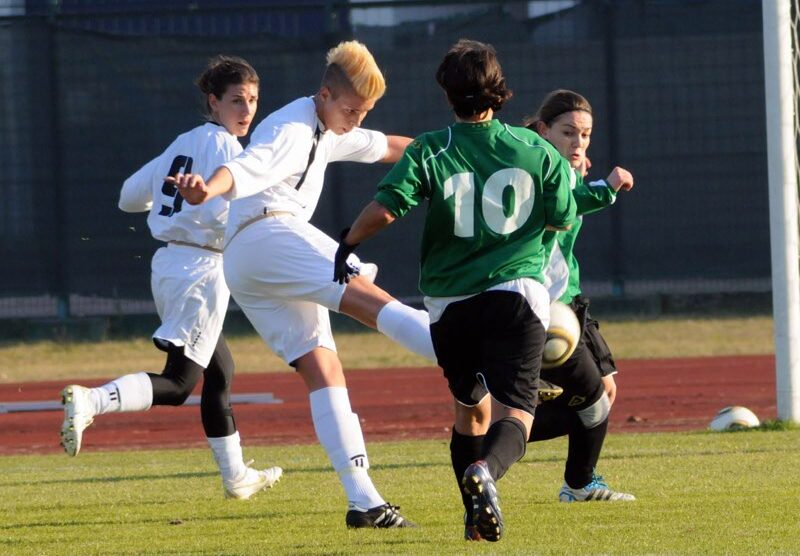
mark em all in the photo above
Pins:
pixel 780 78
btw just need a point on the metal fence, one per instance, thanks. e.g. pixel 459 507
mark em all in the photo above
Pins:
pixel 92 90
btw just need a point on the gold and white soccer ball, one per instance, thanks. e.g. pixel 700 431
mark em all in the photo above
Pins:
pixel 563 335
pixel 734 417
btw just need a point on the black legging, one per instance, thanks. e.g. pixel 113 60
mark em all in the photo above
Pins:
pixel 179 377
pixel 583 386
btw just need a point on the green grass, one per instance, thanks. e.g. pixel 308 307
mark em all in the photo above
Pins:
pixel 664 337
pixel 698 493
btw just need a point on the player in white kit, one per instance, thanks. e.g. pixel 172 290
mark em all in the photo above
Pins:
pixel 278 265
pixel 188 284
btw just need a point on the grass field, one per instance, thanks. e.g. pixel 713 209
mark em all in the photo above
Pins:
pixel 698 493
pixel 665 337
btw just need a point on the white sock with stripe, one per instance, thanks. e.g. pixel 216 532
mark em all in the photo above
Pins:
pixel 339 432
pixel 127 393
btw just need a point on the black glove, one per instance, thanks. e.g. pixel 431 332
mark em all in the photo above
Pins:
pixel 342 270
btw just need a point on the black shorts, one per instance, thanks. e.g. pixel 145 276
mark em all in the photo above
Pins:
pixel 581 375
pixel 592 338
pixel 491 343
pixel 580 378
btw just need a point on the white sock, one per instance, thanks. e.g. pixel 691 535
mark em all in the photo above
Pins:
pixel 124 394
pixel 227 452
pixel 339 433
pixel 408 327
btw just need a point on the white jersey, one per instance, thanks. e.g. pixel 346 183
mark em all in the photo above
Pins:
pixel 200 151
pixel 267 173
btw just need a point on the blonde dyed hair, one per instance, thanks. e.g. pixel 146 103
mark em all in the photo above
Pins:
pixel 352 66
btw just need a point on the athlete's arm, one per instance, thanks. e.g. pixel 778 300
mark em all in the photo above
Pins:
pixel 137 191
pixel 620 178
pixel 195 190
pixel 610 386
pixel 373 218
pixel 396 147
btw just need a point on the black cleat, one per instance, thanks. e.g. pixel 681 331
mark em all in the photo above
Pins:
pixel 548 391
pixel 486 515
pixel 379 517
pixel 470 530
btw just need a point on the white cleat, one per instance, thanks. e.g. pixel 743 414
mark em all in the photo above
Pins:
pixel 78 415
pixel 596 490
pixel 369 271
pixel 251 482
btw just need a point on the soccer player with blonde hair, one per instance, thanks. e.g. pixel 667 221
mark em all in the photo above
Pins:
pixel 278 265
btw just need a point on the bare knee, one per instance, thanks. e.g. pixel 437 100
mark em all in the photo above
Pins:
pixel 473 420
pixel 320 368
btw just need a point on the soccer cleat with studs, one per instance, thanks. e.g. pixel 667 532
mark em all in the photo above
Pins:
pixel 596 490
pixel 385 516
pixel 251 482
pixel 487 518
pixel 470 529
pixel 78 415
pixel 548 391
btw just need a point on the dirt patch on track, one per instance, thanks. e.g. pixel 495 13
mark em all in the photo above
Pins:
pixel 397 404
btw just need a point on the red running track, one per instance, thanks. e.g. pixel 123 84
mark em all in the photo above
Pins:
pixel 396 404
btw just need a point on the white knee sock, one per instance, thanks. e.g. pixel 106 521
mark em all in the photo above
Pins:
pixel 127 393
pixel 339 433
pixel 408 327
pixel 227 452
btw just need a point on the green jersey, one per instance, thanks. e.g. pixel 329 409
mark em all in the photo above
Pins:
pixel 490 190
pixel 562 275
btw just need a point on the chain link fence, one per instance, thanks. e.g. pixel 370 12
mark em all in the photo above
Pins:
pixel 92 90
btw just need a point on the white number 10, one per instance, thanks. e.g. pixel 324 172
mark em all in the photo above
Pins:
pixel 462 186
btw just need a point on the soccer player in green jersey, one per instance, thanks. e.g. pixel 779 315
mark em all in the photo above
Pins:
pixel 490 192
pixel 581 412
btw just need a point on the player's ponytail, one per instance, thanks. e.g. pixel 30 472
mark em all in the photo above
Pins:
pixel 472 78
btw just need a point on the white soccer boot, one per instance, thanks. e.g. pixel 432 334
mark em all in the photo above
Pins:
pixel 251 482
pixel 596 490
pixel 369 271
pixel 78 414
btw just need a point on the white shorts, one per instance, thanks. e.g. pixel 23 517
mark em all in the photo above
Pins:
pixel 534 292
pixel 191 298
pixel 280 272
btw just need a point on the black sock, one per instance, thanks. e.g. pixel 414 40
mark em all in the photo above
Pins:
pixel 464 450
pixel 504 445
pixel 584 451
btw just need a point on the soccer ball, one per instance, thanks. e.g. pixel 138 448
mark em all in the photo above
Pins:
pixel 563 335
pixel 734 417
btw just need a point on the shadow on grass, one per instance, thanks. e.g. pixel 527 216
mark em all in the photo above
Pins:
pixel 95 480
pixel 174 520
